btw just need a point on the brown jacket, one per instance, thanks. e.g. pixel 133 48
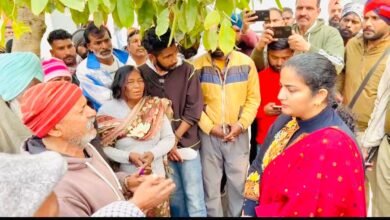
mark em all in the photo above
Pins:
pixel 359 61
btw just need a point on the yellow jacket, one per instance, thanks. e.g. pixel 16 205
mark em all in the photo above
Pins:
pixel 234 98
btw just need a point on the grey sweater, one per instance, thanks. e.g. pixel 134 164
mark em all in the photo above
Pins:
pixel 159 145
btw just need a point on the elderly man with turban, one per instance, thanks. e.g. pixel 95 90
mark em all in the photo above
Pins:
pixel 18 71
pixel 58 114
pixel 351 21
pixel 366 62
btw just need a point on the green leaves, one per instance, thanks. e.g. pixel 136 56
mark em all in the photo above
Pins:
pixel 226 37
pixel 226 7
pixel 145 14
pixel 93 5
pixel 210 39
pixel 243 4
pixel 80 17
pixel 78 5
pixel 191 12
pixel 37 6
pixel 125 12
pixel 212 19
pixel 280 6
pixel 188 19
pixel 162 22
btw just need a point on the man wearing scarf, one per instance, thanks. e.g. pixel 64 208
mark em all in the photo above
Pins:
pixel 362 53
pixel 18 72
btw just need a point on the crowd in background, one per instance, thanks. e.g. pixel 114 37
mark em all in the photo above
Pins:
pixel 290 126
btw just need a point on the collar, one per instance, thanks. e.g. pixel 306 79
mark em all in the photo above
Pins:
pixel 319 120
pixel 93 62
pixel 151 65
pixel 227 61
pixel 308 30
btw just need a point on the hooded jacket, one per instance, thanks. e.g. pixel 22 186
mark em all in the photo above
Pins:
pixel 323 39
pixel 88 185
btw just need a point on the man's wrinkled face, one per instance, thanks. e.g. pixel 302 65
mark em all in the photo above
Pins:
pixel 307 13
pixel 64 50
pixel 288 18
pixel 374 27
pixel 350 26
pixel 101 46
pixel 275 19
pixel 77 127
pixel 134 46
pixel 335 15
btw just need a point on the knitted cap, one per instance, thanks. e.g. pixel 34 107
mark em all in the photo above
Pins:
pixel 53 68
pixel 45 104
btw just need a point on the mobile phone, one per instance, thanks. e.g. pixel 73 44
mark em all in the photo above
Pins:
pixel 282 31
pixel 277 107
pixel 262 15
pixel 142 170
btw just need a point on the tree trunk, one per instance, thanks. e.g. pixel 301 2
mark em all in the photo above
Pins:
pixel 30 41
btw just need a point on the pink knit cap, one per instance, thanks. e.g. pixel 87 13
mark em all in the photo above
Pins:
pixel 54 67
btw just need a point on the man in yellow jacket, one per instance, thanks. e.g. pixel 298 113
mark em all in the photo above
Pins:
pixel 230 87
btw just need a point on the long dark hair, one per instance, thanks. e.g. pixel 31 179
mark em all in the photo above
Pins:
pixel 120 80
pixel 319 73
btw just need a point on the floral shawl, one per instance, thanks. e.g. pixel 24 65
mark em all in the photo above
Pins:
pixel 142 123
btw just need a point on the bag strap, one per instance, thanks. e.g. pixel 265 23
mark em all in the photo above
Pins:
pixel 368 76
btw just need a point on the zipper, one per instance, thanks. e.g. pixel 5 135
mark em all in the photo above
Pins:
pixel 223 83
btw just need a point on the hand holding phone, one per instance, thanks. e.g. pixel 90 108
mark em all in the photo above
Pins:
pixel 262 15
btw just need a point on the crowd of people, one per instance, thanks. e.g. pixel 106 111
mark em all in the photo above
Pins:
pixel 281 127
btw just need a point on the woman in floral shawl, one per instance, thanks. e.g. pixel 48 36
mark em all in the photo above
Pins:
pixel 312 166
pixel 135 128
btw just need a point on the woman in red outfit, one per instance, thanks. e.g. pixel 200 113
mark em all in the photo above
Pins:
pixel 312 166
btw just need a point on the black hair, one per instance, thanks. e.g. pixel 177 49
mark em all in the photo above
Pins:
pixel 8 45
pixel 154 44
pixel 92 29
pixel 120 80
pixel 288 10
pixel 59 34
pixel 319 73
pixel 132 33
pixel 280 44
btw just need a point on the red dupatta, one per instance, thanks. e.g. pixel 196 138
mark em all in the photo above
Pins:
pixel 320 175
